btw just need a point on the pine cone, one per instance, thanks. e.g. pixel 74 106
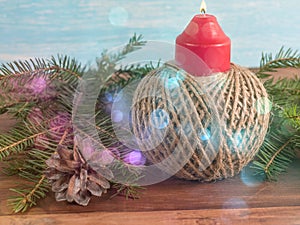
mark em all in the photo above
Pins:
pixel 75 179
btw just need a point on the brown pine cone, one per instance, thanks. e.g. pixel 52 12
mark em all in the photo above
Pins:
pixel 75 179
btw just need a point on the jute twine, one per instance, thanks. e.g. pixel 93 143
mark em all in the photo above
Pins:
pixel 215 121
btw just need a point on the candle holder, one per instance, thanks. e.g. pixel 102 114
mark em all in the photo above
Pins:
pixel 216 122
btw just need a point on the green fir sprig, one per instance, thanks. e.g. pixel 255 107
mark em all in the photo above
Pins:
pixel 283 59
pixel 26 147
pixel 106 64
pixel 283 138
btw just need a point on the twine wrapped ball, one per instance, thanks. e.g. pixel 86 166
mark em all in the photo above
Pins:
pixel 212 126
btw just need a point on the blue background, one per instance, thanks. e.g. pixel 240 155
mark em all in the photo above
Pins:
pixel 84 28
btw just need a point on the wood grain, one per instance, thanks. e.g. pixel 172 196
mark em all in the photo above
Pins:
pixel 6 122
pixel 175 201
pixel 269 216
pixel 231 201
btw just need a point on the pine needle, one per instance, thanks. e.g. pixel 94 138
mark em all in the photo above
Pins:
pixel 17 148
pixel 282 140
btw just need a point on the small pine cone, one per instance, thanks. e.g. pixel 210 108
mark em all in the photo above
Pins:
pixel 75 179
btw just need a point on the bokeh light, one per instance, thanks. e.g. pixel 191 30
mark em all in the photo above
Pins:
pixel 205 136
pixel 160 119
pixel 238 138
pixel 37 85
pixel 250 178
pixel 174 78
pixel 172 83
pixel 118 16
pixel 117 116
pixel 135 158
pixel 111 96
pixel 108 97
pixel 234 203
pixel 263 106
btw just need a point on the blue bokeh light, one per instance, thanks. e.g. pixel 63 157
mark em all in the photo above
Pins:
pixel 166 73
pixel 250 177
pixel 118 16
pixel 238 138
pixel 173 78
pixel 160 119
pixel 108 97
pixel 206 135
pixel 111 96
pixel 172 83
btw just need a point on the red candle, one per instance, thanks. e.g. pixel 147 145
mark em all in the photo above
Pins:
pixel 203 48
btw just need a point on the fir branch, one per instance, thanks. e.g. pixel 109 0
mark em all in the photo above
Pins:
pixel 58 66
pixel 62 68
pixel 106 64
pixel 292 114
pixel 283 59
pixel 66 69
pixel 276 155
pixel 13 104
pixel 23 67
pixel 28 197
pixel 61 74
pixel 29 161
pixel 20 138
pixel 17 140
pixel 129 187
pixel 35 186
pixel 282 140
pixel 19 110
pixel 13 164
pixel 129 191
pixel 124 76
pixel 33 171
pixel 29 88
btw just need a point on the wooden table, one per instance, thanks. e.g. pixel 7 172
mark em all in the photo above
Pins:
pixel 174 201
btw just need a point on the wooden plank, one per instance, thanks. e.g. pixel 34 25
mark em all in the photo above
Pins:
pixel 6 122
pixel 269 216
pixel 177 194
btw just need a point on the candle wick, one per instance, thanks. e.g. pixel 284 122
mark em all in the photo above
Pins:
pixel 202 11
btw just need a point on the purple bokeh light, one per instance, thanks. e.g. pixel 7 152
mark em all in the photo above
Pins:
pixel 37 85
pixel 135 158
